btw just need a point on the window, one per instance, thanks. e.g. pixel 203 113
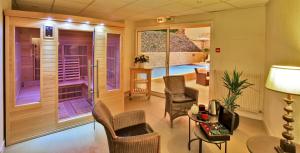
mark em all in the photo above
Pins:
pixel 113 61
pixel 27 65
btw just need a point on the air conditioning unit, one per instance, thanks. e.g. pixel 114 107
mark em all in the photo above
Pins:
pixel 164 19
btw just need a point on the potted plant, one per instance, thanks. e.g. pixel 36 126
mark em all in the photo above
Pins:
pixel 140 60
pixel 235 86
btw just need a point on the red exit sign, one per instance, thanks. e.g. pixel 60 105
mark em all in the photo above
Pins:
pixel 218 50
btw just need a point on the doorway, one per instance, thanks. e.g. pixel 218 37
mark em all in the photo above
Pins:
pixel 75 57
pixel 177 50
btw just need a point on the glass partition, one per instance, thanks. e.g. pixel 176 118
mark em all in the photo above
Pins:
pixel 27 65
pixel 189 50
pixel 153 43
pixel 113 61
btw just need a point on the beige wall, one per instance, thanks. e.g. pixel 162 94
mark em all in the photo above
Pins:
pixel 176 58
pixel 129 47
pixel 241 36
pixel 4 4
pixel 283 48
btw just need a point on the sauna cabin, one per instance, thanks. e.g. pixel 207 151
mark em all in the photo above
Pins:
pixel 57 67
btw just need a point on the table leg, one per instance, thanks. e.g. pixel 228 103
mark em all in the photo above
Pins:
pixel 225 146
pixel 189 143
pixel 200 146
pixel 190 140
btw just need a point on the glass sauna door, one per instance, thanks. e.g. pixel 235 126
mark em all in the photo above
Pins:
pixel 154 43
pixel 189 56
pixel 74 58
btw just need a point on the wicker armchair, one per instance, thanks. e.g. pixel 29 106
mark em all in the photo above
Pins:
pixel 127 132
pixel 202 77
pixel 179 98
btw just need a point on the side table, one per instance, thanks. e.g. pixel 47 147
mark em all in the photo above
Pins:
pixel 202 137
pixel 264 144
pixel 196 120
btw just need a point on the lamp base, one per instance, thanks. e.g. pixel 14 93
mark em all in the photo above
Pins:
pixel 286 147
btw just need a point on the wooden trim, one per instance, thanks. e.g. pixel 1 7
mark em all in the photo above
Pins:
pixel 61 17
pixel 158 27
pixel 7 76
pixel 167 59
pixel 191 25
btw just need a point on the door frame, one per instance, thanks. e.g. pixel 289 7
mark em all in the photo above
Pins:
pixel 84 118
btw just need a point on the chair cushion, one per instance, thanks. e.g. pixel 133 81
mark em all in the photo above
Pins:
pixel 134 130
pixel 181 98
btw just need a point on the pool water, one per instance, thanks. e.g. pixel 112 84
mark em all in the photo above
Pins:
pixel 159 72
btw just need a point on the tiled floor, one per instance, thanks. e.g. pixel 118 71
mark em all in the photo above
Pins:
pixel 84 139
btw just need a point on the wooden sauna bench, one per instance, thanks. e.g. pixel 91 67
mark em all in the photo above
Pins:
pixel 73 82
pixel 73 99
pixel 28 93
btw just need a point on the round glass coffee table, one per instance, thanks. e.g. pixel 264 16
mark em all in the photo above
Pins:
pixel 193 117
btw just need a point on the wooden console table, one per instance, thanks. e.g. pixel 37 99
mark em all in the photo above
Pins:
pixel 136 79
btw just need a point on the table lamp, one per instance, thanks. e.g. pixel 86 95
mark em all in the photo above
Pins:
pixel 285 79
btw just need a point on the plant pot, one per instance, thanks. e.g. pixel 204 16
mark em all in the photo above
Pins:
pixel 237 121
pixel 139 65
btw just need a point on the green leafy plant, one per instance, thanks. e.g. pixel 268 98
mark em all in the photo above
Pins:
pixel 141 59
pixel 206 50
pixel 235 86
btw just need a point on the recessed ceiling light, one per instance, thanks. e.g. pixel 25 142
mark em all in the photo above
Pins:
pixel 101 24
pixel 87 22
pixel 69 20
pixel 49 19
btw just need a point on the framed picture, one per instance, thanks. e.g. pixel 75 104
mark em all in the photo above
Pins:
pixel 48 32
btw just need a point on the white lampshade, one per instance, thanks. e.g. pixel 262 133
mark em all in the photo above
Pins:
pixel 284 79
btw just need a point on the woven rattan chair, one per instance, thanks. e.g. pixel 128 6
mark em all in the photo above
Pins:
pixel 202 77
pixel 179 98
pixel 127 132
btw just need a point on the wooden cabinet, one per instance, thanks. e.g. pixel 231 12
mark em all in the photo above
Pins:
pixel 140 82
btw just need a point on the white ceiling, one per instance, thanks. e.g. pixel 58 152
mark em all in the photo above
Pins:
pixel 117 10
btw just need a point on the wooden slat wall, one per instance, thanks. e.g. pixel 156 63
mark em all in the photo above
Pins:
pixel 25 122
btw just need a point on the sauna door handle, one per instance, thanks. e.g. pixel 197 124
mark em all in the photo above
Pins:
pixel 90 68
pixel 97 78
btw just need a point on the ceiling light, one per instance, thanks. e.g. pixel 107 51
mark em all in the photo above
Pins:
pixel 101 24
pixel 87 22
pixel 49 19
pixel 69 20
